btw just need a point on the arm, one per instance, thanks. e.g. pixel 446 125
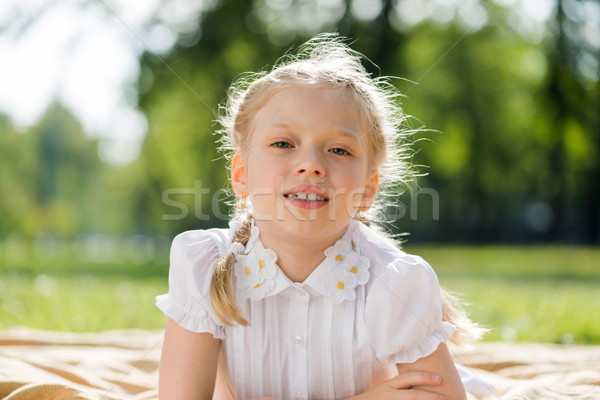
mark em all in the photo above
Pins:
pixel 402 387
pixel 188 364
pixel 430 378
pixel 439 362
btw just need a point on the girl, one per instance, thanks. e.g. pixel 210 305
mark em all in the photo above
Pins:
pixel 300 298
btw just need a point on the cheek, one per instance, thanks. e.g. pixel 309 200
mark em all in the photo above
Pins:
pixel 354 175
pixel 263 174
pixel 350 186
pixel 357 181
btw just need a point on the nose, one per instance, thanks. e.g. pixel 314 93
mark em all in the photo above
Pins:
pixel 310 164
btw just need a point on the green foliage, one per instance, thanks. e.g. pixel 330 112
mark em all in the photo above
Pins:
pixel 47 176
pixel 512 146
pixel 54 183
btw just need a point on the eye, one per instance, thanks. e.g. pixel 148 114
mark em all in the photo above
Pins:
pixel 282 145
pixel 339 151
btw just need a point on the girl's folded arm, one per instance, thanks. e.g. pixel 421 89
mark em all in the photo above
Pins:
pixel 188 365
pixel 430 378
pixel 440 363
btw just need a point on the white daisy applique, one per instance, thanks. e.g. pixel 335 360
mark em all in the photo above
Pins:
pixel 347 269
pixel 357 265
pixel 256 272
pixel 338 252
pixel 340 285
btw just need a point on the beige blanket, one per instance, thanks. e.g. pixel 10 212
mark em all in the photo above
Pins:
pixel 124 365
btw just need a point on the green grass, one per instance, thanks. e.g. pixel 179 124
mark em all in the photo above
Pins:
pixel 543 294
pixel 92 286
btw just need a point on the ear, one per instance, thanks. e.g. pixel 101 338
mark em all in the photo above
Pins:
pixel 370 191
pixel 238 176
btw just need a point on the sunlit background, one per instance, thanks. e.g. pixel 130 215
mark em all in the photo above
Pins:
pixel 107 112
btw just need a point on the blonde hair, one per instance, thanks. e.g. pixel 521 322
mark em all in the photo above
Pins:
pixel 221 297
pixel 323 61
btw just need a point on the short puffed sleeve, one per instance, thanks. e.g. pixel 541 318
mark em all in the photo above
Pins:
pixel 194 256
pixel 404 311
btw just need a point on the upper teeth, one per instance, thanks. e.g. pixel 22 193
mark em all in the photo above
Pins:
pixel 306 196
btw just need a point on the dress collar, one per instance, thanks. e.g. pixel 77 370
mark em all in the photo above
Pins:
pixel 259 276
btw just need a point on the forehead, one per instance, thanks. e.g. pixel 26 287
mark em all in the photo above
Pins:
pixel 331 108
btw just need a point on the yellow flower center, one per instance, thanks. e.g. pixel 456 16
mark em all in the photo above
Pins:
pixel 354 270
pixel 339 257
pixel 340 285
pixel 247 271
pixel 257 286
pixel 353 244
pixel 261 263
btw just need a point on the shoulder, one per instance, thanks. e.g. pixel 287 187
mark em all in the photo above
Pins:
pixel 201 243
pixel 194 257
pixel 403 305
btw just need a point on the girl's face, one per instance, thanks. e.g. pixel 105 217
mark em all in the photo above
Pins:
pixel 305 165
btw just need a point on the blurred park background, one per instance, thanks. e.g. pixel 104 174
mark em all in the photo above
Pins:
pixel 107 148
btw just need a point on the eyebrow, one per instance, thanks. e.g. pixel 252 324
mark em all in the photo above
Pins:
pixel 340 131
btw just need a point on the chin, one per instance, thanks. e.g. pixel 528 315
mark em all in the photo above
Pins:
pixel 316 227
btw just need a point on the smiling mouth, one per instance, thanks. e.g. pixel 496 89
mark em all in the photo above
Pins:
pixel 305 196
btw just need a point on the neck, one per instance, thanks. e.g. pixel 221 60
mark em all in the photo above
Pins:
pixel 297 256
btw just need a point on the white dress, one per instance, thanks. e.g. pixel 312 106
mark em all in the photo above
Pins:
pixel 366 307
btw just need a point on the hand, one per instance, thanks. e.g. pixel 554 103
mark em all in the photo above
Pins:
pixel 400 387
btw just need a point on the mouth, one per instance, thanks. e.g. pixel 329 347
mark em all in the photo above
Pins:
pixel 305 196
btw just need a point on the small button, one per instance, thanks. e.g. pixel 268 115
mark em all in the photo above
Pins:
pixel 299 340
